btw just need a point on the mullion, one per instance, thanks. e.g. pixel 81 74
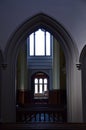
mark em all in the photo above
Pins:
pixel 42 85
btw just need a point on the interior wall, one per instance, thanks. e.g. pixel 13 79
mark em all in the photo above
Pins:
pixel 70 13
pixel 0 81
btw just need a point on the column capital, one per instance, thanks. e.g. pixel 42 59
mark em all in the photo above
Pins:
pixel 78 65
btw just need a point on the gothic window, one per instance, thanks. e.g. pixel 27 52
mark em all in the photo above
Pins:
pixel 39 43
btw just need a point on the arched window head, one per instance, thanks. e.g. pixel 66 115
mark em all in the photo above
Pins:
pixel 39 43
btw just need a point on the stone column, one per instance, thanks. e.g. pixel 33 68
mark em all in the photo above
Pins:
pixel 56 65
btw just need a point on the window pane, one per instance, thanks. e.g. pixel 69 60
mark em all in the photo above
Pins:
pixel 40 88
pixel 45 80
pixel 36 88
pixel 36 80
pixel 47 43
pixel 40 80
pixel 39 48
pixel 45 87
pixel 39 43
pixel 31 44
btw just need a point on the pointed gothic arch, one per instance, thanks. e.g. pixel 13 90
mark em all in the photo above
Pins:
pixel 42 21
pixel 82 61
pixel 70 51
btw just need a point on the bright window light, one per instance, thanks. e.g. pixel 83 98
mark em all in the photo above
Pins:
pixel 40 43
pixel 40 88
pixel 47 43
pixel 45 87
pixel 36 88
pixel 32 44
pixel 39 48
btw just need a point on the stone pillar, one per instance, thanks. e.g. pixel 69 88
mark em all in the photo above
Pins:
pixel 74 92
pixel 22 89
pixel 56 65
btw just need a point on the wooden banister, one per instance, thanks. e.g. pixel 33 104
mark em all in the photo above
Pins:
pixel 41 112
pixel 42 126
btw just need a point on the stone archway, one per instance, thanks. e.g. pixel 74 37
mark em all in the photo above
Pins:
pixel 83 71
pixel 71 54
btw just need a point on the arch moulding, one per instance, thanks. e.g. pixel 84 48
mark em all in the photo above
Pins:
pixel 71 54
pixel 82 61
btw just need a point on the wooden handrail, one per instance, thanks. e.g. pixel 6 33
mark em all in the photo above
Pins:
pixel 54 113
pixel 42 126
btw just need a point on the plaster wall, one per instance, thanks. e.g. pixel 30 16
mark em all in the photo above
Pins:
pixel 71 14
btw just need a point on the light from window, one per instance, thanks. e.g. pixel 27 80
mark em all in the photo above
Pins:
pixel 47 43
pixel 45 87
pixel 32 44
pixel 45 80
pixel 36 88
pixel 40 80
pixel 40 88
pixel 45 84
pixel 40 43
pixel 41 85
pixel 36 81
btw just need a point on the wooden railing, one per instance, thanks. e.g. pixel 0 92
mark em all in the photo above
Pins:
pixel 41 113
pixel 43 126
pixel 25 112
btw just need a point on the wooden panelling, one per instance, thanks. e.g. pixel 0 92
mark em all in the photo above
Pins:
pixel 57 97
pixel 23 97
